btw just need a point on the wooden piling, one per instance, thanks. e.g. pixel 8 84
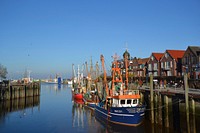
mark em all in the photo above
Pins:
pixel 166 111
pixel 193 115
pixel 151 97
pixel 16 91
pixel 156 109
pixel 187 102
pixel 160 109
pixel 141 97
pixel 22 92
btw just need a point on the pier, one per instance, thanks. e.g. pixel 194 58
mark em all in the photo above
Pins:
pixel 164 104
pixel 11 91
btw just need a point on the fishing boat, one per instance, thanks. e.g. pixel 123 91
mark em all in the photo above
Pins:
pixel 120 105
pixel 77 89
pixel 77 96
pixel 90 99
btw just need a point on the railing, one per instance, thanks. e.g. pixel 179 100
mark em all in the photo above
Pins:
pixel 125 92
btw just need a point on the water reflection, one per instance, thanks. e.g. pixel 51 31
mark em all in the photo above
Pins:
pixel 77 115
pixel 55 87
pixel 171 117
pixel 21 104
pixel 54 111
pixel 114 128
pixel 83 117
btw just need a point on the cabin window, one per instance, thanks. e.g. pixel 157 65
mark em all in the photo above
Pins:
pixel 134 101
pixel 122 102
pixel 128 101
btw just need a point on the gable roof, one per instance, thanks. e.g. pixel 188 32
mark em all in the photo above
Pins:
pixel 175 54
pixel 158 55
pixel 194 49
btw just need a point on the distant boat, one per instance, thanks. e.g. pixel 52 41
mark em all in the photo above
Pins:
pixel 119 106
pixel 57 80
pixel 69 82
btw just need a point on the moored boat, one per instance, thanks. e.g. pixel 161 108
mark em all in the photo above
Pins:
pixel 90 100
pixel 122 109
pixel 78 96
pixel 120 105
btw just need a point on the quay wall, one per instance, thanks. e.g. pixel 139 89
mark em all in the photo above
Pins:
pixel 11 91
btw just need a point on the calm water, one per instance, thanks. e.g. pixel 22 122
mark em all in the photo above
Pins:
pixel 55 112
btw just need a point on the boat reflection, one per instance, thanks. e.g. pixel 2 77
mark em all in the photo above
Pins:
pixel 55 87
pixel 114 128
pixel 83 117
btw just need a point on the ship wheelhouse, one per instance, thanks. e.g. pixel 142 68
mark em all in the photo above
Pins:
pixel 124 102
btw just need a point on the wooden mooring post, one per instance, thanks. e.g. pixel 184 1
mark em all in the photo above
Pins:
pixel 151 97
pixel 187 102
pixel 193 115
pixel 163 106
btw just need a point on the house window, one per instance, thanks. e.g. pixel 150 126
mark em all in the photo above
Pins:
pixel 169 73
pixel 171 64
pixel 155 73
pixel 162 65
pixel 149 66
pixel 168 64
pixel 155 66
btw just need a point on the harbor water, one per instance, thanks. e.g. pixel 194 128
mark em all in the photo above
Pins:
pixel 54 111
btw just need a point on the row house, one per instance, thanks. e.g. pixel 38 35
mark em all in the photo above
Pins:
pixel 158 64
pixel 191 62
pixel 142 64
pixel 133 67
pixel 154 65
pixel 136 66
pixel 171 62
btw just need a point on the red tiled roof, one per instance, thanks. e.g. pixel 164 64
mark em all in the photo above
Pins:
pixel 176 53
pixel 158 55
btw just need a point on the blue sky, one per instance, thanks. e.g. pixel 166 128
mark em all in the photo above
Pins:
pixel 48 36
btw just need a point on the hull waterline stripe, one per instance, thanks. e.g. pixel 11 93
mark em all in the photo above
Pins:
pixel 103 113
pixel 114 114
pixel 142 114
pixel 121 114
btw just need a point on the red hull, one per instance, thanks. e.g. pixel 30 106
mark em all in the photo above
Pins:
pixel 78 96
pixel 79 101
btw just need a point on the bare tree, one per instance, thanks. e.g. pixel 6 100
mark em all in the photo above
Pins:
pixel 3 72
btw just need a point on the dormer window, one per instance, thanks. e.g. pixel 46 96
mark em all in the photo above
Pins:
pixel 152 58
pixel 166 55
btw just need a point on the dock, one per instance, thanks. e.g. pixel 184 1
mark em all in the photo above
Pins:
pixel 161 101
pixel 11 91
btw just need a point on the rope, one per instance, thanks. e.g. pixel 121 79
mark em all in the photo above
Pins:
pixel 163 106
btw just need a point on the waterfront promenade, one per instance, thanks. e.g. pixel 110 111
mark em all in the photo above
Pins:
pixel 193 93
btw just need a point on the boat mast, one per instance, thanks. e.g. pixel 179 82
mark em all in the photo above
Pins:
pixel 116 74
pixel 73 76
pixel 97 70
pixel 126 68
pixel 88 78
pixel 104 75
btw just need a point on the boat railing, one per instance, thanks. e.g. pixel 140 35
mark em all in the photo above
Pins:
pixel 125 92
pixel 131 92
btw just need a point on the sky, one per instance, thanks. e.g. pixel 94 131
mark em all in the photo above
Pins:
pixel 48 36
